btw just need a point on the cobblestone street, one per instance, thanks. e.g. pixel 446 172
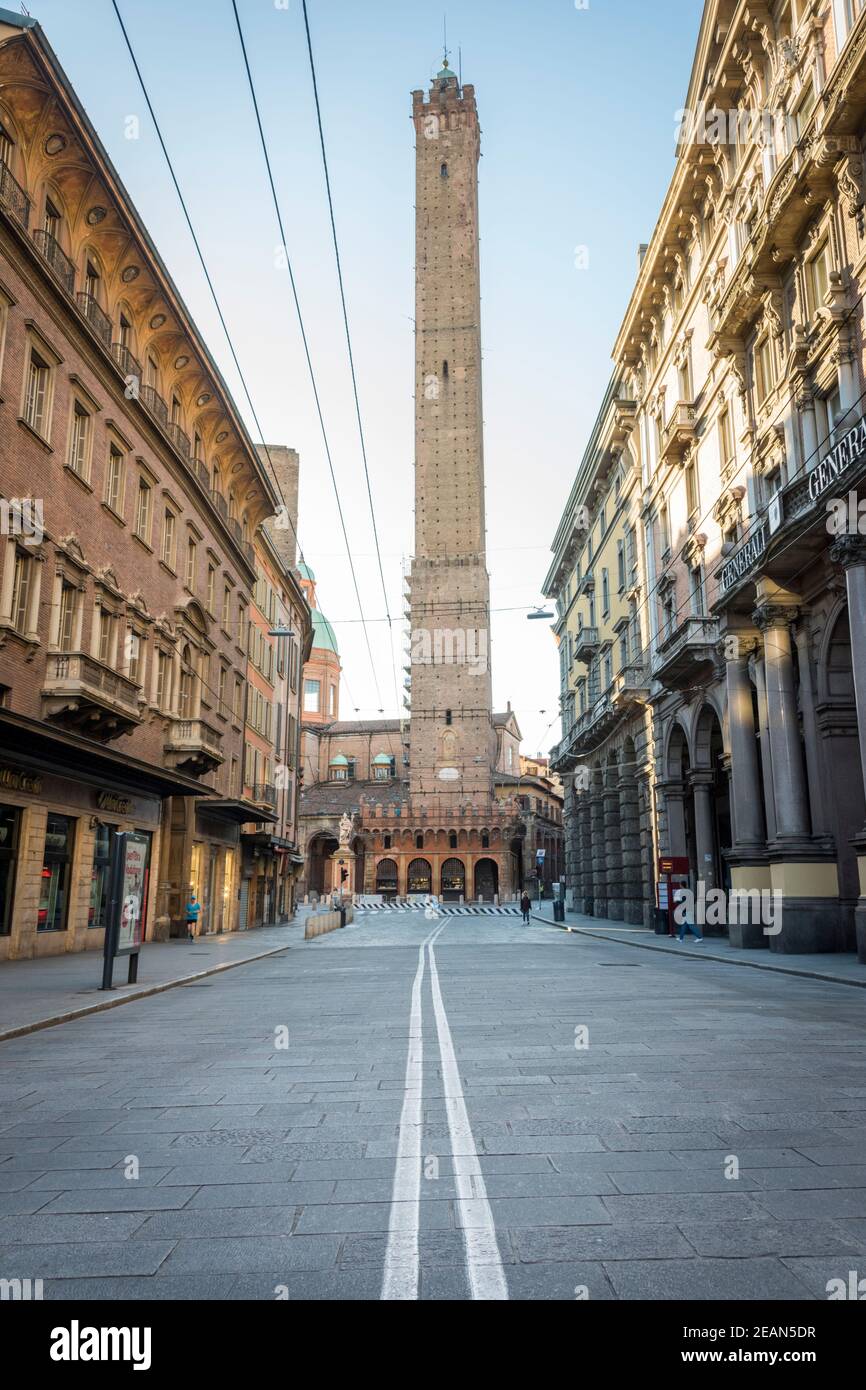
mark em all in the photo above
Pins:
pixel 173 1148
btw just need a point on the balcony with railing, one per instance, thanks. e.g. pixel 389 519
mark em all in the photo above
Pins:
pixel 586 643
pixel 128 364
pixel 264 794
pixel 179 438
pixel 55 258
pixel 680 431
pixel 687 653
pixel 88 697
pixel 220 503
pixel 193 746
pixel 155 406
pixel 13 199
pixel 95 316
pixel 630 686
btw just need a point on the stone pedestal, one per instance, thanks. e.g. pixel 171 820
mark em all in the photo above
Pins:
pixel 344 859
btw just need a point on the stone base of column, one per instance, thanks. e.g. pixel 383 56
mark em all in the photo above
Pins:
pixel 633 912
pixel 812 918
pixel 750 873
pixel 615 909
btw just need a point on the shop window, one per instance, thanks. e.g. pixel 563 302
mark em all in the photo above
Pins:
pixel 56 869
pixel 10 821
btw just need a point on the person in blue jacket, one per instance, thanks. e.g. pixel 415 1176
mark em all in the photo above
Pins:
pixel 193 909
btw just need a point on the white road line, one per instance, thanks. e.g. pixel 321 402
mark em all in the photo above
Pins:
pixel 483 1260
pixel 401 1273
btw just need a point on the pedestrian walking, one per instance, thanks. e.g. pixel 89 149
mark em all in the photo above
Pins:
pixel 193 909
pixel 525 906
pixel 687 925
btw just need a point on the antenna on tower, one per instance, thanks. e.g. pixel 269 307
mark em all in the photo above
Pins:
pixel 445 37
pixel 460 66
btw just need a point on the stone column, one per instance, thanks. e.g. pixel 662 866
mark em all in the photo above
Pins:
pixel 613 834
pixel 766 752
pixel 747 800
pixel 789 776
pixel 810 731
pixel 584 850
pixel 705 837
pixel 599 856
pixel 629 817
pixel 806 406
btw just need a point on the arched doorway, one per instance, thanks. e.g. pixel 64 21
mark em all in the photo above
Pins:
pixel 453 880
pixel 319 868
pixel 486 880
pixel 386 878
pixel 420 877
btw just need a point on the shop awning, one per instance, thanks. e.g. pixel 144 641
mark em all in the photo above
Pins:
pixel 239 811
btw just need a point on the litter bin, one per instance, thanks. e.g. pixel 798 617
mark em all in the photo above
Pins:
pixel 558 911
pixel 661 925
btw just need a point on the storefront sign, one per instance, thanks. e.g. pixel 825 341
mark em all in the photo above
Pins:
pixel 14 780
pixel 850 450
pixel 109 801
pixel 745 559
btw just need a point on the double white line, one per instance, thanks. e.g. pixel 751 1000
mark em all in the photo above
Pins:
pixel 483 1261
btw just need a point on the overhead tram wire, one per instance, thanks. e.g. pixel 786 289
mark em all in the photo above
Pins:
pixel 349 339
pixel 284 244
pixel 213 293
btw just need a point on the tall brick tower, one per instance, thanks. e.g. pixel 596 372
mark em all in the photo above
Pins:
pixel 452 741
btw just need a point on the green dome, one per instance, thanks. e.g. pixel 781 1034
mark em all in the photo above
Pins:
pixel 381 759
pixel 323 634
pixel 339 760
pixel 306 573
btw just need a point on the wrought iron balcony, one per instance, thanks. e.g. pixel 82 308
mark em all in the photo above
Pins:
pixel 128 364
pixel 203 472
pixel 586 643
pixel 56 259
pixel 680 430
pixel 96 317
pixel 178 437
pixel 83 694
pixel 13 199
pixel 194 746
pixel 264 794
pixel 155 405
pixel 687 653
pixel 220 503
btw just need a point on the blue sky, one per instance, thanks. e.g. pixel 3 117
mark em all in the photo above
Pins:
pixel 577 113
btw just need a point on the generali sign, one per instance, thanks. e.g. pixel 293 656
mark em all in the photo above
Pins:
pixel 849 451
pixel 744 559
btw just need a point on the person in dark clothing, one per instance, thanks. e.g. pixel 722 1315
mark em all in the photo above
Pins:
pixel 525 906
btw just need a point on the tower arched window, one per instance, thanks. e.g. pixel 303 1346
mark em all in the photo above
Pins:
pixel 419 841
pixel 444 171
pixel 452 839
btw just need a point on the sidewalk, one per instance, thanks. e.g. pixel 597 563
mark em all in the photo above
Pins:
pixel 39 993
pixel 841 969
